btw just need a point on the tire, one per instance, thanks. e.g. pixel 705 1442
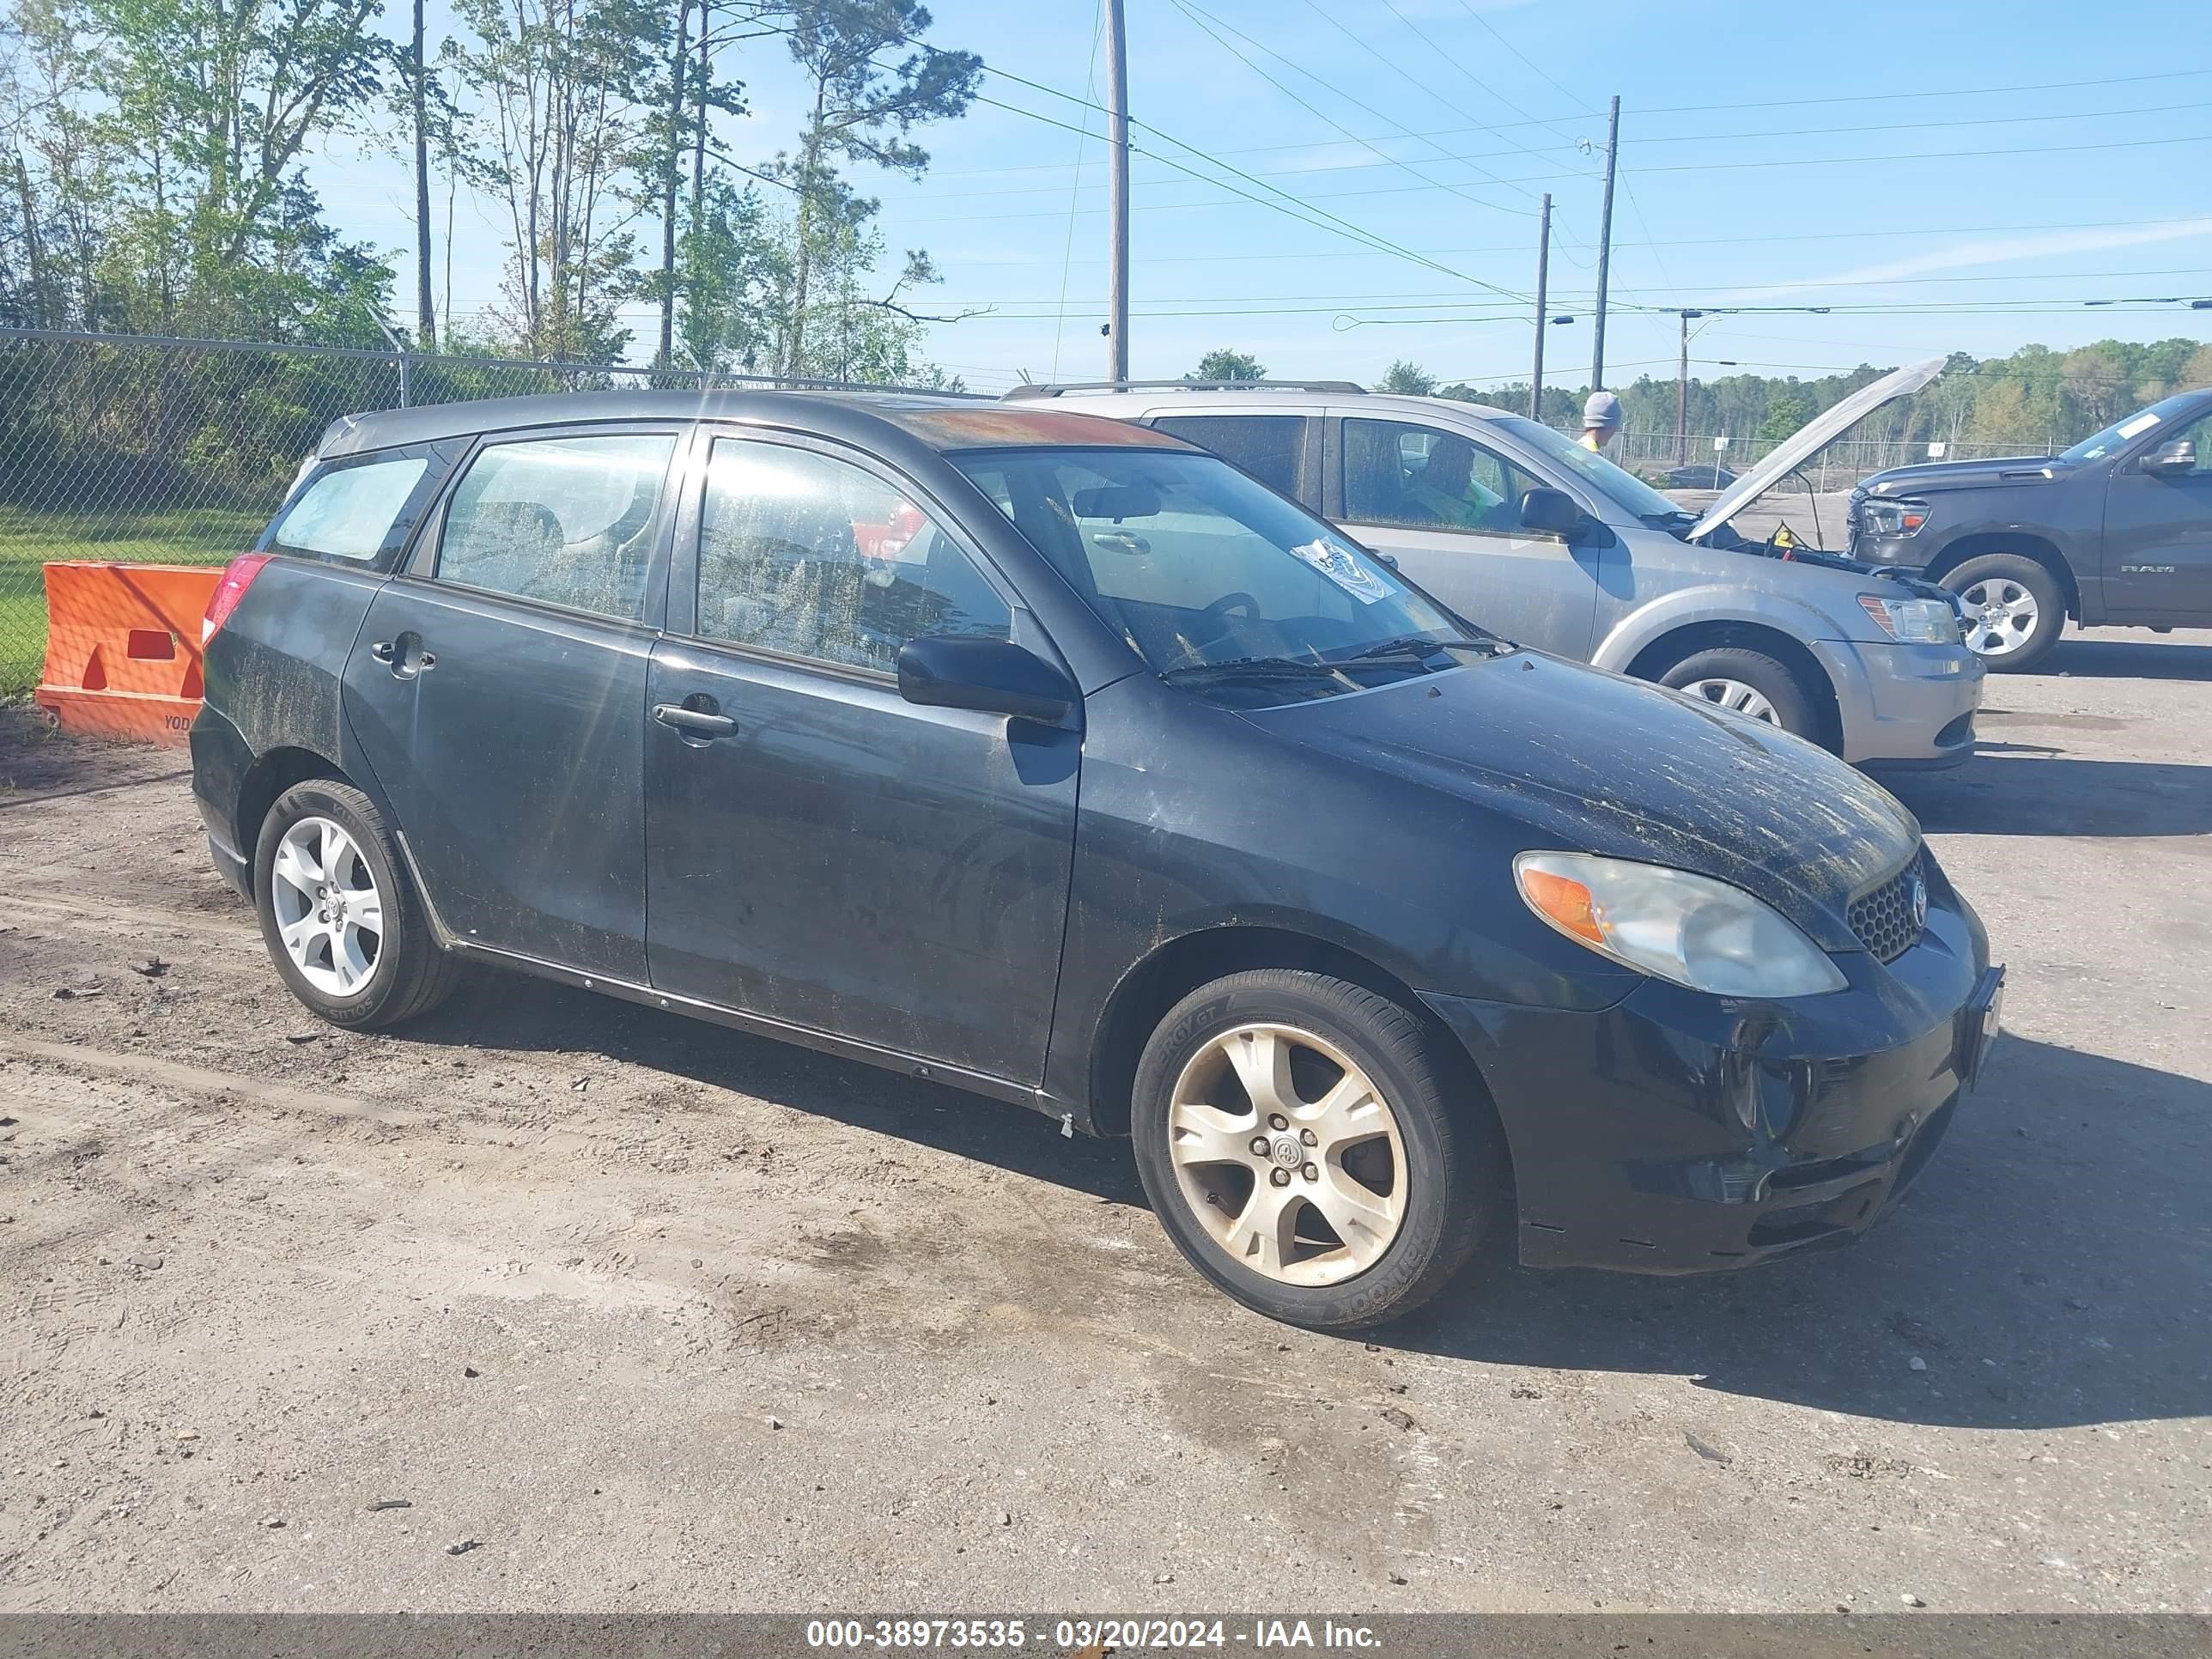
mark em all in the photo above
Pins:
pixel 1751 684
pixel 2016 611
pixel 1421 1186
pixel 363 978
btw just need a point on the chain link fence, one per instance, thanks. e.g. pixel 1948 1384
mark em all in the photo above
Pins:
pixel 179 452
pixel 1837 466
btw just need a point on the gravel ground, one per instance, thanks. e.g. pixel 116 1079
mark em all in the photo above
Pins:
pixel 557 1302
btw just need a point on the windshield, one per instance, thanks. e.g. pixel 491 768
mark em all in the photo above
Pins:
pixel 2098 445
pixel 1623 489
pixel 1215 580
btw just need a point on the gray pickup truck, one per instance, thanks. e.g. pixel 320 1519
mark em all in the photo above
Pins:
pixel 1526 532
pixel 2116 530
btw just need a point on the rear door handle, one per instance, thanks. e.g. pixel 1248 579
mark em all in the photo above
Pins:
pixel 403 656
pixel 694 722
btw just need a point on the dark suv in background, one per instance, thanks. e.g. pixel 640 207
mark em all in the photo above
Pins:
pixel 2116 530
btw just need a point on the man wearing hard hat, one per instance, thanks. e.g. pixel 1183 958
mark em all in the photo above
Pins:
pixel 1600 420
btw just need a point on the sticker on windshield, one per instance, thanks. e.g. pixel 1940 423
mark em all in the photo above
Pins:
pixel 1341 566
pixel 2142 423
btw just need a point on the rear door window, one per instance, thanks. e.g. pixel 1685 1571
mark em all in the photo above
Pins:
pixel 1273 448
pixel 565 521
pixel 359 511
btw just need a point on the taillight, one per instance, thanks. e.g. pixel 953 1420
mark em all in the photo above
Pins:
pixel 237 576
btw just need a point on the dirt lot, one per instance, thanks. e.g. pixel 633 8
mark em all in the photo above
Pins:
pixel 662 1317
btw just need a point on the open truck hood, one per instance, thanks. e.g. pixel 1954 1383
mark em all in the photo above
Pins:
pixel 1812 436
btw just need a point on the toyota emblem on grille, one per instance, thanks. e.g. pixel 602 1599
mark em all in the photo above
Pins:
pixel 1916 901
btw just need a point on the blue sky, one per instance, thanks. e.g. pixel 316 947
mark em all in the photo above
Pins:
pixel 1434 126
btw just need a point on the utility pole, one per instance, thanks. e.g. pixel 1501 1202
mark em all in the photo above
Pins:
pixel 1117 195
pixel 426 316
pixel 1543 321
pixel 1683 395
pixel 1604 245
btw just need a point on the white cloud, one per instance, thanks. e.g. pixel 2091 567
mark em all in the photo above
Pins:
pixel 1965 255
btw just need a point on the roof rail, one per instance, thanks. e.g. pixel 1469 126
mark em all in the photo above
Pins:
pixel 1043 389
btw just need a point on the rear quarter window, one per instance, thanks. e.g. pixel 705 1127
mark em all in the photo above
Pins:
pixel 360 510
pixel 1273 448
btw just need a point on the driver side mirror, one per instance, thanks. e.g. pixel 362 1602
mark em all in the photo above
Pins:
pixel 968 671
pixel 1551 511
pixel 2175 455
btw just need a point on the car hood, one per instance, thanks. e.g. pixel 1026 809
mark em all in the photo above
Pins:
pixel 1816 435
pixel 1965 475
pixel 1591 761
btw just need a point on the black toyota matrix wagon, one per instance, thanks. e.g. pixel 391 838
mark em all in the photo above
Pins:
pixel 1057 760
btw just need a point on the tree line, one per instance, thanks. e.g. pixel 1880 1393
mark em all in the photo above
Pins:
pixel 152 174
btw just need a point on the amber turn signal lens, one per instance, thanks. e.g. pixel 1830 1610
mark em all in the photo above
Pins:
pixel 1567 902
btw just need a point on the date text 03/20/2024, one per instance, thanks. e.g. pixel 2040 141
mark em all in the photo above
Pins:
pixel 1077 1636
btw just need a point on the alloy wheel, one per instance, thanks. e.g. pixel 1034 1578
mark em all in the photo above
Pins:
pixel 329 913
pixel 1737 697
pixel 1288 1155
pixel 2000 616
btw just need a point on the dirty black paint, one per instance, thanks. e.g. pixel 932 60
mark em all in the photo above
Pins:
pixel 942 890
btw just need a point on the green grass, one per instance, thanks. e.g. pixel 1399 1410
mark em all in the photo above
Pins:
pixel 29 538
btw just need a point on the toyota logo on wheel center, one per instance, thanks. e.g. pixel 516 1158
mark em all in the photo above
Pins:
pixel 1287 1151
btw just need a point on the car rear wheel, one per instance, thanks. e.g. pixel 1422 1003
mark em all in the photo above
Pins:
pixel 1747 682
pixel 1301 1145
pixel 343 925
pixel 2015 609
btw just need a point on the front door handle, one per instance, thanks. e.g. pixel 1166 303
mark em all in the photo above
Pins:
pixel 694 722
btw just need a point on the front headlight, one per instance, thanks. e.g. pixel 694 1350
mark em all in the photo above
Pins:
pixel 1898 517
pixel 1674 926
pixel 1913 622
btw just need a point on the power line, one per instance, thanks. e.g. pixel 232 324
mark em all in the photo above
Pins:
pixel 1925 155
pixel 1496 155
pixel 1439 300
pixel 1289 206
pixel 1516 50
pixel 1938 91
pixel 1465 73
pixel 1207 25
pixel 1885 234
pixel 2133 307
pixel 1698 166
pixel 1500 128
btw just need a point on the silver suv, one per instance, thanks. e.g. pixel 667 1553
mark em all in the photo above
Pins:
pixel 1523 531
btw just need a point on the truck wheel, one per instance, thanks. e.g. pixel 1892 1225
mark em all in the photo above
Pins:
pixel 1747 682
pixel 343 925
pixel 2015 609
pixel 1301 1144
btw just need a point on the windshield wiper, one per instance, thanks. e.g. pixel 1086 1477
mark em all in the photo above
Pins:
pixel 1416 646
pixel 1251 668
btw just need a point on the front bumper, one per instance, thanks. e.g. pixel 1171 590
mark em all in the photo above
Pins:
pixel 1907 553
pixel 1905 705
pixel 1677 1132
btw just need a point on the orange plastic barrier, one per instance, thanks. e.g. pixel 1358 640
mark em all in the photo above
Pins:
pixel 122 649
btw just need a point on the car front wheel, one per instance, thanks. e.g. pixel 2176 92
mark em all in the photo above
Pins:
pixel 343 925
pixel 2015 609
pixel 1747 683
pixel 1299 1140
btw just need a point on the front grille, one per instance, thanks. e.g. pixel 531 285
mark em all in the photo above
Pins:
pixel 1886 918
